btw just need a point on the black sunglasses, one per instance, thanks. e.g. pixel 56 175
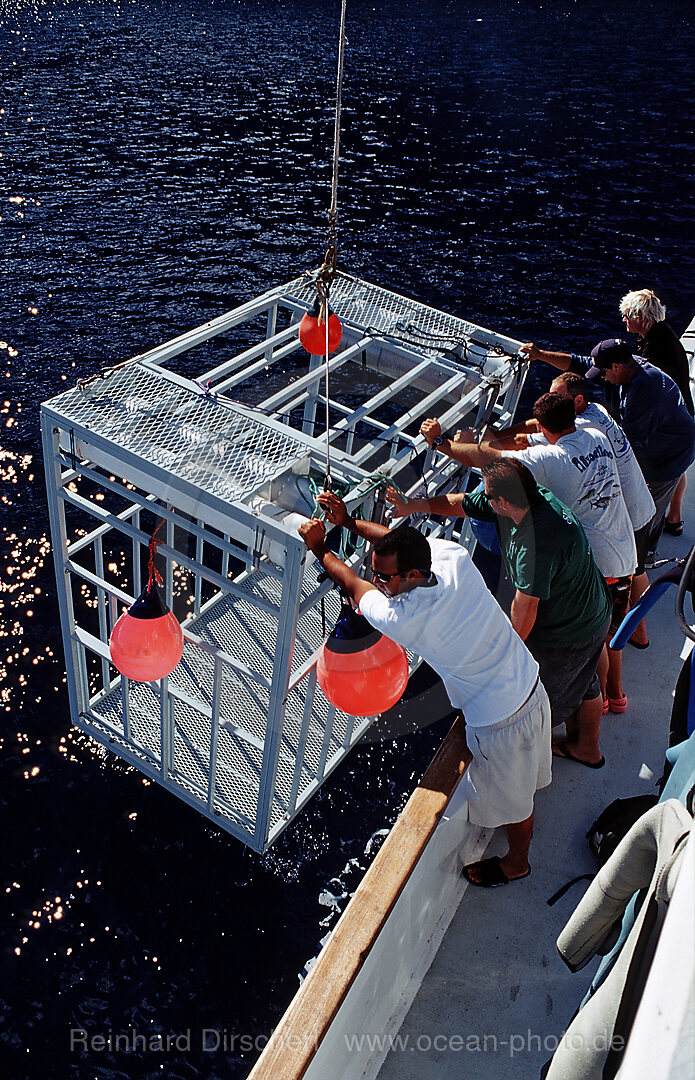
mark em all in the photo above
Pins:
pixel 385 578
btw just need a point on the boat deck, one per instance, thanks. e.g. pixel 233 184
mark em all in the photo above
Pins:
pixel 425 977
pixel 497 995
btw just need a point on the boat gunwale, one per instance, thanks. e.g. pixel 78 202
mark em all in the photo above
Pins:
pixel 299 1034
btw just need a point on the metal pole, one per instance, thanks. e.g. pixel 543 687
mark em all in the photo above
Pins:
pixel 102 601
pixel 286 632
pixel 59 541
pixel 214 727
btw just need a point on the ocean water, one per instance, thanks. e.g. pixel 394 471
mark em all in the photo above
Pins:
pixel 522 164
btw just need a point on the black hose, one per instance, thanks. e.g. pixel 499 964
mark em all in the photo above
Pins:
pixel 685 585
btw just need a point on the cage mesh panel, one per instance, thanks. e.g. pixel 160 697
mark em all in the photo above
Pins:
pixel 144 715
pixel 251 636
pixel 371 307
pixel 213 446
pixel 105 735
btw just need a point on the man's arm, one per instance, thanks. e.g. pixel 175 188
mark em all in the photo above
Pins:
pixel 524 427
pixel 313 534
pixel 558 360
pixel 443 505
pixel 514 437
pixel 508 439
pixel 462 448
pixel 523 613
pixel 336 512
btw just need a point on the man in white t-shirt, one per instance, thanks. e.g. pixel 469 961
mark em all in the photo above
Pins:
pixel 579 467
pixel 638 499
pixel 429 597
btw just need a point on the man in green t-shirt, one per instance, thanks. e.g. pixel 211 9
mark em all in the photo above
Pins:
pixel 561 606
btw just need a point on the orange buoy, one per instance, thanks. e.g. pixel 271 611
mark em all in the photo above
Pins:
pixel 312 334
pixel 359 670
pixel 147 641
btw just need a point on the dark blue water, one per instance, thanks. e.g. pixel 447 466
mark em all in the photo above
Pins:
pixel 520 164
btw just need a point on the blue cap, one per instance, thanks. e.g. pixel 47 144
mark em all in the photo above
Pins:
pixel 607 352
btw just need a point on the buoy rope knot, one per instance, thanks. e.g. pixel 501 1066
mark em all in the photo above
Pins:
pixel 324 279
pixel 154 576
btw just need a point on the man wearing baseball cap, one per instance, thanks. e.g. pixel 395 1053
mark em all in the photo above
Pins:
pixel 655 419
pixel 652 413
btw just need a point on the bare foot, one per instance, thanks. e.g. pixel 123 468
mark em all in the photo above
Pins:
pixel 514 868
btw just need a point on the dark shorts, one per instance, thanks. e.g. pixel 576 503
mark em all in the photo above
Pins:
pixel 649 535
pixel 619 588
pixel 568 672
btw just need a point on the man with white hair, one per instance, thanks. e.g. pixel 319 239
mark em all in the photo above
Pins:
pixel 645 315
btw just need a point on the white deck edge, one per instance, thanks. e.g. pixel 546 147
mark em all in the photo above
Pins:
pixel 385 988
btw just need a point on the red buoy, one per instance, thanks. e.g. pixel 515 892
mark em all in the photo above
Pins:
pixel 359 670
pixel 147 641
pixel 312 334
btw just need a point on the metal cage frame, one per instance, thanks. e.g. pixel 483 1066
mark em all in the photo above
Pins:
pixel 239 730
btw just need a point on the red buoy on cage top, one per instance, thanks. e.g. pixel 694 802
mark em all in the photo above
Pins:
pixel 359 670
pixel 312 332
pixel 147 641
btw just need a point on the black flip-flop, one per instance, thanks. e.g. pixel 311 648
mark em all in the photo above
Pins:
pixel 673 528
pixel 638 644
pixel 561 750
pixel 492 873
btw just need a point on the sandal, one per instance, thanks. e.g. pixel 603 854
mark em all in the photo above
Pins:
pixel 562 750
pixel 673 528
pixel 617 705
pixel 491 872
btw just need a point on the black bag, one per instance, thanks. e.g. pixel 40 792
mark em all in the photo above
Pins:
pixel 614 823
pixel 607 831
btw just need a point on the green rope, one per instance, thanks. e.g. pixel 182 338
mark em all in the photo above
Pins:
pixel 349 544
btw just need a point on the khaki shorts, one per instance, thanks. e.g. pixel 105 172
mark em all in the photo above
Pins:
pixel 511 761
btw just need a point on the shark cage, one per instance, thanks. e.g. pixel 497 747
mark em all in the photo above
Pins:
pixel 221 434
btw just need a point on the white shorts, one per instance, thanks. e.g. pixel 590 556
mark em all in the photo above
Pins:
pixel 511 761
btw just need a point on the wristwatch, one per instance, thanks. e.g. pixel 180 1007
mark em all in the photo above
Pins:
pixel 437 441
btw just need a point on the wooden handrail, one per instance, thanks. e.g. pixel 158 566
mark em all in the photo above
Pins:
pixel 301 1030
